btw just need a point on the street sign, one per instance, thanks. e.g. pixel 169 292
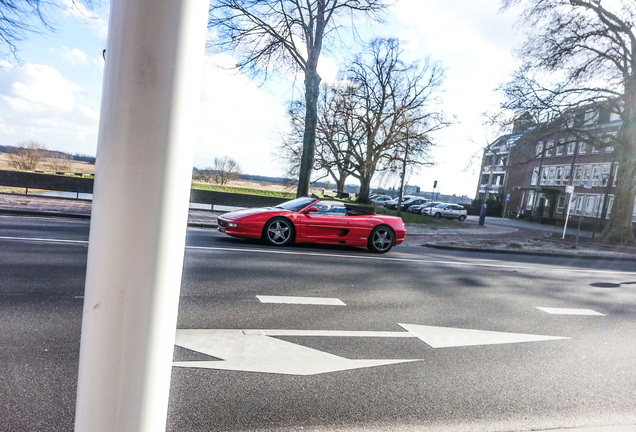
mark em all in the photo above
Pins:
pixel 507 197
pixel 569 189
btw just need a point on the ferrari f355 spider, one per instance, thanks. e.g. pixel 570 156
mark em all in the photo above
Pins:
pixel 310 220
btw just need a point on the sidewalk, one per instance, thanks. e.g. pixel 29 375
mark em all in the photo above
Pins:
pixel 497 234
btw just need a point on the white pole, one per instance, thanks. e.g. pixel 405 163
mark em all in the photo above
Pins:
pixel 154 64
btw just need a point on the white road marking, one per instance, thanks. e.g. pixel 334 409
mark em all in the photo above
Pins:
pixel 445 337
pixel 319 301
pixel 45 240
pixel 332 333
pixel 474 263
pixel 567 311
pixel 259 351
pixel 254 352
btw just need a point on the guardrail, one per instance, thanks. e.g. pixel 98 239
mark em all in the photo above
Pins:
pixel 76 184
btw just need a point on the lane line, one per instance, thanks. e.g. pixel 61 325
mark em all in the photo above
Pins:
pixel 44 240
pixel 541 268
pixel 318 301
pixel 569 311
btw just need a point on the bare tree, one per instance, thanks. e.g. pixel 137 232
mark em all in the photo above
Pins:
pixel 19 18
pixel 60 161
pixel 332 144
pixel 269 34
pixel 27 155
pixel 582 53
pixel 224 170
pixel 391 101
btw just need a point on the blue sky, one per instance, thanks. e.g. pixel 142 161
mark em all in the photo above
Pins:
pixel 52 95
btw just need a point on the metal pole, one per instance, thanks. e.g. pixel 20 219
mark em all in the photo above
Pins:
pixel 154 63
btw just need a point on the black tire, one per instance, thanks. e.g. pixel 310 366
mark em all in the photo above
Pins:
pixel 462 218
pixel 279 232
pixel 381 239
pixel 438 215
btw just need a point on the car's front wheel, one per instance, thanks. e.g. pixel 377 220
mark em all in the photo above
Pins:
pixel 279 232
pixel 381 239
pixel 438 215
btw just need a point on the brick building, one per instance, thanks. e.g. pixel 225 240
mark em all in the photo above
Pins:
pixel 535 165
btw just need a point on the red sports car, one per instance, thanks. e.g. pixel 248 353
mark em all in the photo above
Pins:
pixel 310 220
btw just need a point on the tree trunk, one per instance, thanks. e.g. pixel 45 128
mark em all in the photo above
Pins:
pixel 340 185
pixel 365 188
pixel 312 89
pixel 619 229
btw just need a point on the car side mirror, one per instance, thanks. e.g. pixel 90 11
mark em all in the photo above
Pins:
pixel 312 210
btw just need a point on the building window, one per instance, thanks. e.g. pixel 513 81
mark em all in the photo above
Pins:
pixel 606 168
pixel 587 174
pixel 544 176
pixel 582 148
pixel 571 147
pixel 578 175
pixel 610 204
pixel 535 177
pixel 548 149
pixel 530 201
pixel 539 149
pixel 566 174
pixel 596 175
pixel 559 175
pixel 551 175
pixel 561 203
pixel 595 150
pixel 559 148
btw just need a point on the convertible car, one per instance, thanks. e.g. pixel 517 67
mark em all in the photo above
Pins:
pixel 310 220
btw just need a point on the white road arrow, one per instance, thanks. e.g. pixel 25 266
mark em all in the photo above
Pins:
pixel 260 351
pixel 253 351
pixel 445 337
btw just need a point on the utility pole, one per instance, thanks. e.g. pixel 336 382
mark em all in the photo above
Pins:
pixel 145 151
pixel 403 175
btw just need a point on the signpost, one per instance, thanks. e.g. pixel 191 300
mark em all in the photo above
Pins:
pixel 484 205
pixel 570 191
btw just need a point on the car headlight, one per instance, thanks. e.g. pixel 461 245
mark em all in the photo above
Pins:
pixel 232 225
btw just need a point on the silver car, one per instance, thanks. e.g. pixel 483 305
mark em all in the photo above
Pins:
pixel 449 211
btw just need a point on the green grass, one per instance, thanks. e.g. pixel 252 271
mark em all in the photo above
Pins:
pixel 240 190
pixel 429 221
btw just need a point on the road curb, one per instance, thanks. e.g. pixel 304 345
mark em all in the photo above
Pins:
pixel 527 252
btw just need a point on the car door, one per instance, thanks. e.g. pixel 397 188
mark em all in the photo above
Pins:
pixel 328 224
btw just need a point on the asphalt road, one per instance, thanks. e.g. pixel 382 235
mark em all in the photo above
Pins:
pixel 416 339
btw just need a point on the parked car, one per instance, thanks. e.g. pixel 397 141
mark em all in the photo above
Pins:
pixel 449 211
pixel 380 199
pixel 421 208
pixel 405 200
pixel 407 205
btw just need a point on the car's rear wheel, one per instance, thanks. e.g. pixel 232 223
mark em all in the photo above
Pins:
pixel 462 218
pixel 381 239
pixel 278 232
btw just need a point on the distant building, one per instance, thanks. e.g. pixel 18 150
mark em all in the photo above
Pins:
pixel 532 167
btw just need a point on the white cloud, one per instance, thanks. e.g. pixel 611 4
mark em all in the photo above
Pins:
pixel 37 102
pixel 238 120
pixel 75 56
pixel 38 88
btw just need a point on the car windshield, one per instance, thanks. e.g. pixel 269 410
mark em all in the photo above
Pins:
pixel 296 204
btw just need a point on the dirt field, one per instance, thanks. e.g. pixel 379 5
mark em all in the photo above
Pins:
pixel 83 167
